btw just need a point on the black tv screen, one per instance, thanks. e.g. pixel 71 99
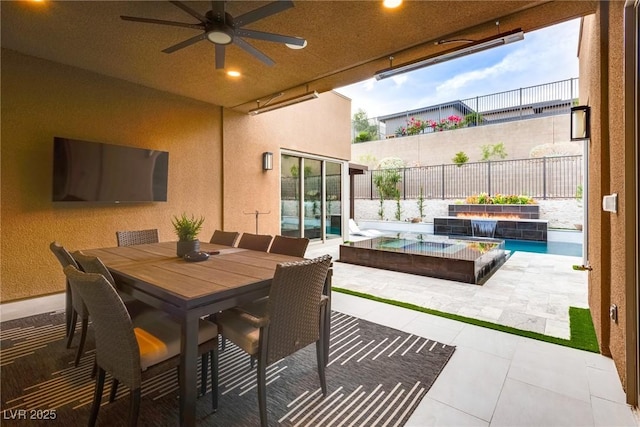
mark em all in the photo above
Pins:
pixel 86 171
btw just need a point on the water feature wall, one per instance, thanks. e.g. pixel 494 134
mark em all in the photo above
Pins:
pixel 521 223
pixel 483 227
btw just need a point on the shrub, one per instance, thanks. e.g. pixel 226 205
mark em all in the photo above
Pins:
pixel 451 122
pixel 499 199
pixel 473 119
pixel 460 158
pixel 491 151
pixel 363 137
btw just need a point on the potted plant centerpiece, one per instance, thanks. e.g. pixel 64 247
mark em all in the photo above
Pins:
pixel 187 229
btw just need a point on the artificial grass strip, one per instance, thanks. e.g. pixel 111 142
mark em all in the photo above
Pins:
pixel 583 334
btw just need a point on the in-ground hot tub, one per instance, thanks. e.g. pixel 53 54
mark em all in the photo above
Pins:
pixel 462 260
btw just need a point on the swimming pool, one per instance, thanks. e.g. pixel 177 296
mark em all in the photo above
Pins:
pixel 469 260
pixel 551 247
pixel 554 248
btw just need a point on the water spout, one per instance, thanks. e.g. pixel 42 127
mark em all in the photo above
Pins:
pixel 483 227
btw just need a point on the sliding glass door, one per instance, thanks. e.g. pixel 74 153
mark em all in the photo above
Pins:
pixel 311 197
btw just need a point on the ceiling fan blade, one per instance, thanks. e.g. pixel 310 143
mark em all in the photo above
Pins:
pixel 220 49
pixel 270 37
pixel 253 51
pixel 185 43
pixel 262 12
pixel 200 17
pixel 162 22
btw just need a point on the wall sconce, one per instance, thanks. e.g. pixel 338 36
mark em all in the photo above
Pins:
pixel 267 161
pixel 580 123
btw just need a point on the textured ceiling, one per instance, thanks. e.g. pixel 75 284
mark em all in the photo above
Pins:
pixel 347 41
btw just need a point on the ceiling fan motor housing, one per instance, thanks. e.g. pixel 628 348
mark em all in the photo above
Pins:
pixel 219 30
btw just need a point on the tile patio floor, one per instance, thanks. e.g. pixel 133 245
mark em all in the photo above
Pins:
pixel 493 379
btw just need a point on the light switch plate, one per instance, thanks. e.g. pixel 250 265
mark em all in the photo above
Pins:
pixel 610 203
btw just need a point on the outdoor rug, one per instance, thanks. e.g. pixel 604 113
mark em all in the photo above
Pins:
pixel 376 376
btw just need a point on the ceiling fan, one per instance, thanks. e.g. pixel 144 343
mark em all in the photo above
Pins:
pixel 222 29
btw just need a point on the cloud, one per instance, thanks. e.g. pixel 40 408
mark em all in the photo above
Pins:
pixel 400 80
pixel 544 56
pixel 369 84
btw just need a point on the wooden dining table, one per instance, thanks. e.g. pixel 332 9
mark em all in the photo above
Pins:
pixel 154 274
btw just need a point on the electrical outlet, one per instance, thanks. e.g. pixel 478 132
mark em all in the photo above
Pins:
pixel 613 313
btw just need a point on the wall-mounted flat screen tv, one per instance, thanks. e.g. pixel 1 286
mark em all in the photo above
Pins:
pixel 86 171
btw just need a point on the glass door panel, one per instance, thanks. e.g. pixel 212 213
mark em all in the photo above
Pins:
pixel 290 196
pixel 313 207
pixel 333 200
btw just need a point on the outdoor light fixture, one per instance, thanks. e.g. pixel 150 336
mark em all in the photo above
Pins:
pixel 488 43
pixel 580 123
pixel 305 97
pixel 267 161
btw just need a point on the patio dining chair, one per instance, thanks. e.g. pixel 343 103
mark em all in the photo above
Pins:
pixel 227 238
pixel 294 246
pixel 137 237
pixel 293 318
pixel 91 264
pixel 77 306
pixel 131 350
pixel 255 242
pixel 135 307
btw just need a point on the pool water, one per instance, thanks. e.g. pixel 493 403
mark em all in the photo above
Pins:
pixel 555 248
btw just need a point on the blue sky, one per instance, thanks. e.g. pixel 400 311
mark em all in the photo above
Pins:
pixel 544 56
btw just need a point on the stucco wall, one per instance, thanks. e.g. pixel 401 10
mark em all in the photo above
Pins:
pixel 40 100
pixel 618 161
pixel 437 148
pixel 321 126
pixel 601 62
pixel 590 74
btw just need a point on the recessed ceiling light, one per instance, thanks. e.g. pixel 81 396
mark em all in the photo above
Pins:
pixel 233 73
pixel 391 4
pixel 295 46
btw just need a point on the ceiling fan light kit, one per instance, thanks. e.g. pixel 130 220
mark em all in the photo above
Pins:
pixel 220 36
pixel 222 29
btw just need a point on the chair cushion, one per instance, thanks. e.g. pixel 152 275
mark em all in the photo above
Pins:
pixel 239 332
pixel 159 336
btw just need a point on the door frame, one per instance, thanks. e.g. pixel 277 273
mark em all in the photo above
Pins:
pixel 632 214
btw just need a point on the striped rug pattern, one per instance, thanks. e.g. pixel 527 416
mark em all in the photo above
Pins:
pixel 376 376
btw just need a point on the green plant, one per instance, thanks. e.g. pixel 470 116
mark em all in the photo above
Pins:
pixel 493 151
pixel 473 119
pixel 460 158
pixel 499 199
pixel 363 137
pixel 421 203
pixel 451 122
pixel 416 126
pixel 362 125
pixel 386 182
pixel 398 207
pixel 186 228
pixel 579 193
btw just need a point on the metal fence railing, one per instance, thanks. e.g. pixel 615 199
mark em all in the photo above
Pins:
pixel 518 104
pixel 543 178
